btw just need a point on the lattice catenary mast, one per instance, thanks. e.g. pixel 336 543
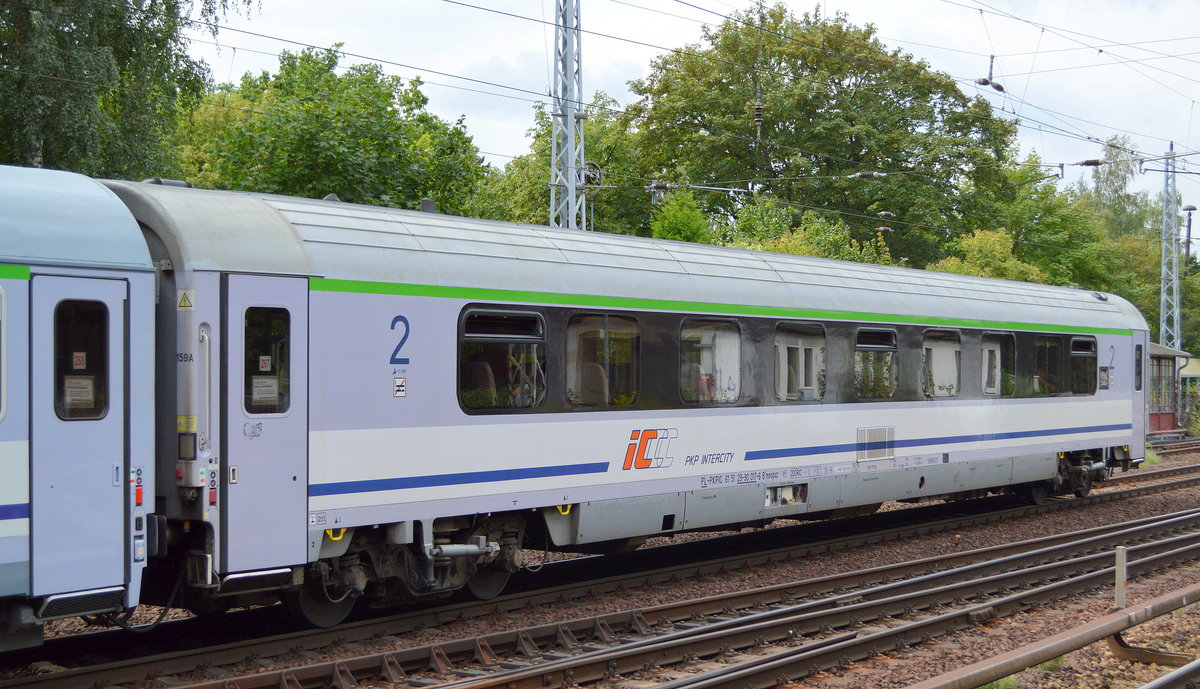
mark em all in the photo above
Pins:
pixel 567 200
pixel 1168 312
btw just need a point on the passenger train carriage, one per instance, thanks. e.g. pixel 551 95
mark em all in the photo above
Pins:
pixel 212 398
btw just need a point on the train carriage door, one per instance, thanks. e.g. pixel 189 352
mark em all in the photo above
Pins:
pixel 265 422
pixel 79 433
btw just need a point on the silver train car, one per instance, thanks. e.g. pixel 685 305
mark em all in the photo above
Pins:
pixel 210 399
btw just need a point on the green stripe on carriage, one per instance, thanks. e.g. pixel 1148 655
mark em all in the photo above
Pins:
pixel 591 300
pixel 14 272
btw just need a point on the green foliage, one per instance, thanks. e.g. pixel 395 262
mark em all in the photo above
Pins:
pixel 310 131
pixel 1056 232
pixel 988 253
pixel 836 102
pixel 762 218
pixel 681 219
pixel 1051 665
pixel 95 87
pixel 521 192
pixel 813 235
pixel 1120 211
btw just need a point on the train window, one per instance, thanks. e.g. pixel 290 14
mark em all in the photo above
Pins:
pixel 602 360
pixel 799 362
pixel 1137 367
pixel 80 360
pixel 710 362
pixel 999 369
pixel 267 355
pixel 941 372
pixel 1083 365
pixel 502 360
pixel 1047 362
pixel 875 369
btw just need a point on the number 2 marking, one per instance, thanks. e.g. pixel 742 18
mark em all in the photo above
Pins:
pixel 396 358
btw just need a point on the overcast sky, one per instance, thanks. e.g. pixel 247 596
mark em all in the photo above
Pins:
pixel 1071 69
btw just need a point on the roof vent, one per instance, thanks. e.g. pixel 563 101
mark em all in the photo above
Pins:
pixel 428 206
pixel 1101 296
pixel 331 197
pixel 168 182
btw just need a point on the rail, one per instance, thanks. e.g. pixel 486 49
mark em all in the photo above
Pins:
pixel 993 669
pixel 135 669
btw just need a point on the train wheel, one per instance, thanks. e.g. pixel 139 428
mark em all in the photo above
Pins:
pixel 1036 493
pixel 312 605
pixel 487 583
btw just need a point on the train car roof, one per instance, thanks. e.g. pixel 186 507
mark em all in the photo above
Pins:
pixel 57 218
pixel 390 251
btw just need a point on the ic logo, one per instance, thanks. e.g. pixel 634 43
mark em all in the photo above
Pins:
pixel 648 448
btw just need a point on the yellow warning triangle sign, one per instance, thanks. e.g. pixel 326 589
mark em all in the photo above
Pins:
pixel 184 302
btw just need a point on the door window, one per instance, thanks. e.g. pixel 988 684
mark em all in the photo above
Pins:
pixel 268 369
pixel 80 359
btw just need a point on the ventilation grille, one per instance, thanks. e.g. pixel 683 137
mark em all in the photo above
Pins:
pixel 878 442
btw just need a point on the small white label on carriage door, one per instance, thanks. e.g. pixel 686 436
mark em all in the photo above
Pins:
pixel 398 385
pixel 79 361
pixel 264 363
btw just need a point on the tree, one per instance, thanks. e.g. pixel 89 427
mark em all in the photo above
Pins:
pixel 814 235
pixel 836 103
pixel 680 218
pixel 309 131
pixel 989 253
pixel 1121 211
pixel 1057 232
pixel 95 87
pixel 521 192
pixel 761 218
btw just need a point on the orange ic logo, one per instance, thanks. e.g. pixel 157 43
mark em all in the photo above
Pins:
pixel 648 448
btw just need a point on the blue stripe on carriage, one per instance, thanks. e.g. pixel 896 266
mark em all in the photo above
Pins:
pixel 18 511
pixel 924 442
pixel 374 485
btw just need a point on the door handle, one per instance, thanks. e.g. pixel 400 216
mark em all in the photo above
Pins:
pixel 206 384
pixel 233 475
pixel 116 474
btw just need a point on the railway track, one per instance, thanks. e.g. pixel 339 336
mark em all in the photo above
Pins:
pixel 1175 448
pixel 130 670
pixel 787 631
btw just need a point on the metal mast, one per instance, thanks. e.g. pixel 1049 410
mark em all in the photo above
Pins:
pixel 1169 313
pixel 567 200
